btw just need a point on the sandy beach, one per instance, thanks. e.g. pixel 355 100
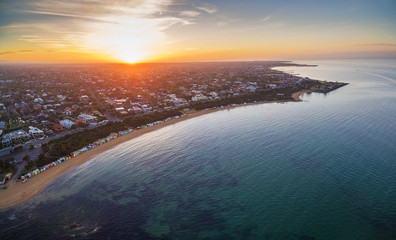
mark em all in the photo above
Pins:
pixel 296 95
pixel 18 192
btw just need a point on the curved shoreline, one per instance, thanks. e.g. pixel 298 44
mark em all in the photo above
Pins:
pixel 18 192
pixel 297 95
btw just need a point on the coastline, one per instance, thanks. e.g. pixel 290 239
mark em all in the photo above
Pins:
pixel 296 96
pixel 18 192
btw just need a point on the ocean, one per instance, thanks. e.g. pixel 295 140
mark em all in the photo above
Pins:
pixel 320 169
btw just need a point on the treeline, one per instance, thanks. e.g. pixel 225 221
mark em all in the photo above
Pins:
pixel 270 95
pixel 6 167
pixel 63 146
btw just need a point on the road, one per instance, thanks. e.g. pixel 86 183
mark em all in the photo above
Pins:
pixel 99 101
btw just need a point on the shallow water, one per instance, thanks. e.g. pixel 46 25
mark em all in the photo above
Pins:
pixel 323 169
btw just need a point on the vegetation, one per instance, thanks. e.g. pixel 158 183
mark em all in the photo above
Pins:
pixel 63 146
pixel 250 97
pixel 18 148
pixel 6 166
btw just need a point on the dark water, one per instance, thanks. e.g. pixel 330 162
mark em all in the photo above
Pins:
pixel 321 169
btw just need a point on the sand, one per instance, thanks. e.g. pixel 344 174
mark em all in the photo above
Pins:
pixel 18 192
pixel 296 95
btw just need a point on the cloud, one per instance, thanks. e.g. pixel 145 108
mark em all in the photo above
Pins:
pixel 376 44
pixel 221 24
pixel 189 13
pixel 207 7
pixel 266 18
pixel 128 30
pixel 13 52
pixel 5 53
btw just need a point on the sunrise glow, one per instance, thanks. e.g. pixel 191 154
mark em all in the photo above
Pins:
pixel 168 30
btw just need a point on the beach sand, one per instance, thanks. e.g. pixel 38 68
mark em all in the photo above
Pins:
pixel 18 192
pixel 296 95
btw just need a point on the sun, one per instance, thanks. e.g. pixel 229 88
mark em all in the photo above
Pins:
pixel 130 59
pixel 131 55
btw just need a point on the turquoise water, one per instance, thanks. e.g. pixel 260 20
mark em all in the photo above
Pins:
pixel 322 169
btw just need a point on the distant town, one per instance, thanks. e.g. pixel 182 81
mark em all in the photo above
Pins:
pixel 42 103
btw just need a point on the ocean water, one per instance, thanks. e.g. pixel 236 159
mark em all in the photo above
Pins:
pixel 321 169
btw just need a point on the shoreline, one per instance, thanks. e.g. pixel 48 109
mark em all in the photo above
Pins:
pixel 296 96
pixel 18 192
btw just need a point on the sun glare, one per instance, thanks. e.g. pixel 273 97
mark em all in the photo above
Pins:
pixel 130 57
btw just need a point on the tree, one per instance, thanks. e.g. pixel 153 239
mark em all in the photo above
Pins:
pixel 26 158
pixel 18 148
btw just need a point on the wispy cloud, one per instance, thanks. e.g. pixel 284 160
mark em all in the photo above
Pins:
pixel 122 29
pixel 189 13
pixel 375 44
pixel 13 52
pixel 5 53
pixel 222 23
pixel 204 6
pixel 267 18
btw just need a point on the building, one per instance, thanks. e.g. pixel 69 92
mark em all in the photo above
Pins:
pixel 199 97
pixel 21 104
pixel 68 111
pixel 58 128
pixel 2 107
pixel 16 120
pixel 271 86
pixel 35 132
pixel 88 118
pixel 84 98
pixel 2 124
pixel 66 123
pixel 15 137
pixel 38 100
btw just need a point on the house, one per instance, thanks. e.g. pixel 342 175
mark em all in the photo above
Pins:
pixel 16 120
pixel 35 132
pixel 58 128
pixel 42 116
pixel 66 123
pixel 77 121
pixel 61 97
pixel 135 110
pixel 214 94
pixel 84 98
pixel 146 108
pixel 87 118
pixel 2 107
pixel 271 86
pixel 252 88
pixel 96 112
pixel 15 137
pixel 21 104
pixel 68 111
pixel 199 97
pixel 38 100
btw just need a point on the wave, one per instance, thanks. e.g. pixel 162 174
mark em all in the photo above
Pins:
pixel 380 76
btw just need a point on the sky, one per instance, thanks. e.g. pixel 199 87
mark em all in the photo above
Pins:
pixel 183 30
